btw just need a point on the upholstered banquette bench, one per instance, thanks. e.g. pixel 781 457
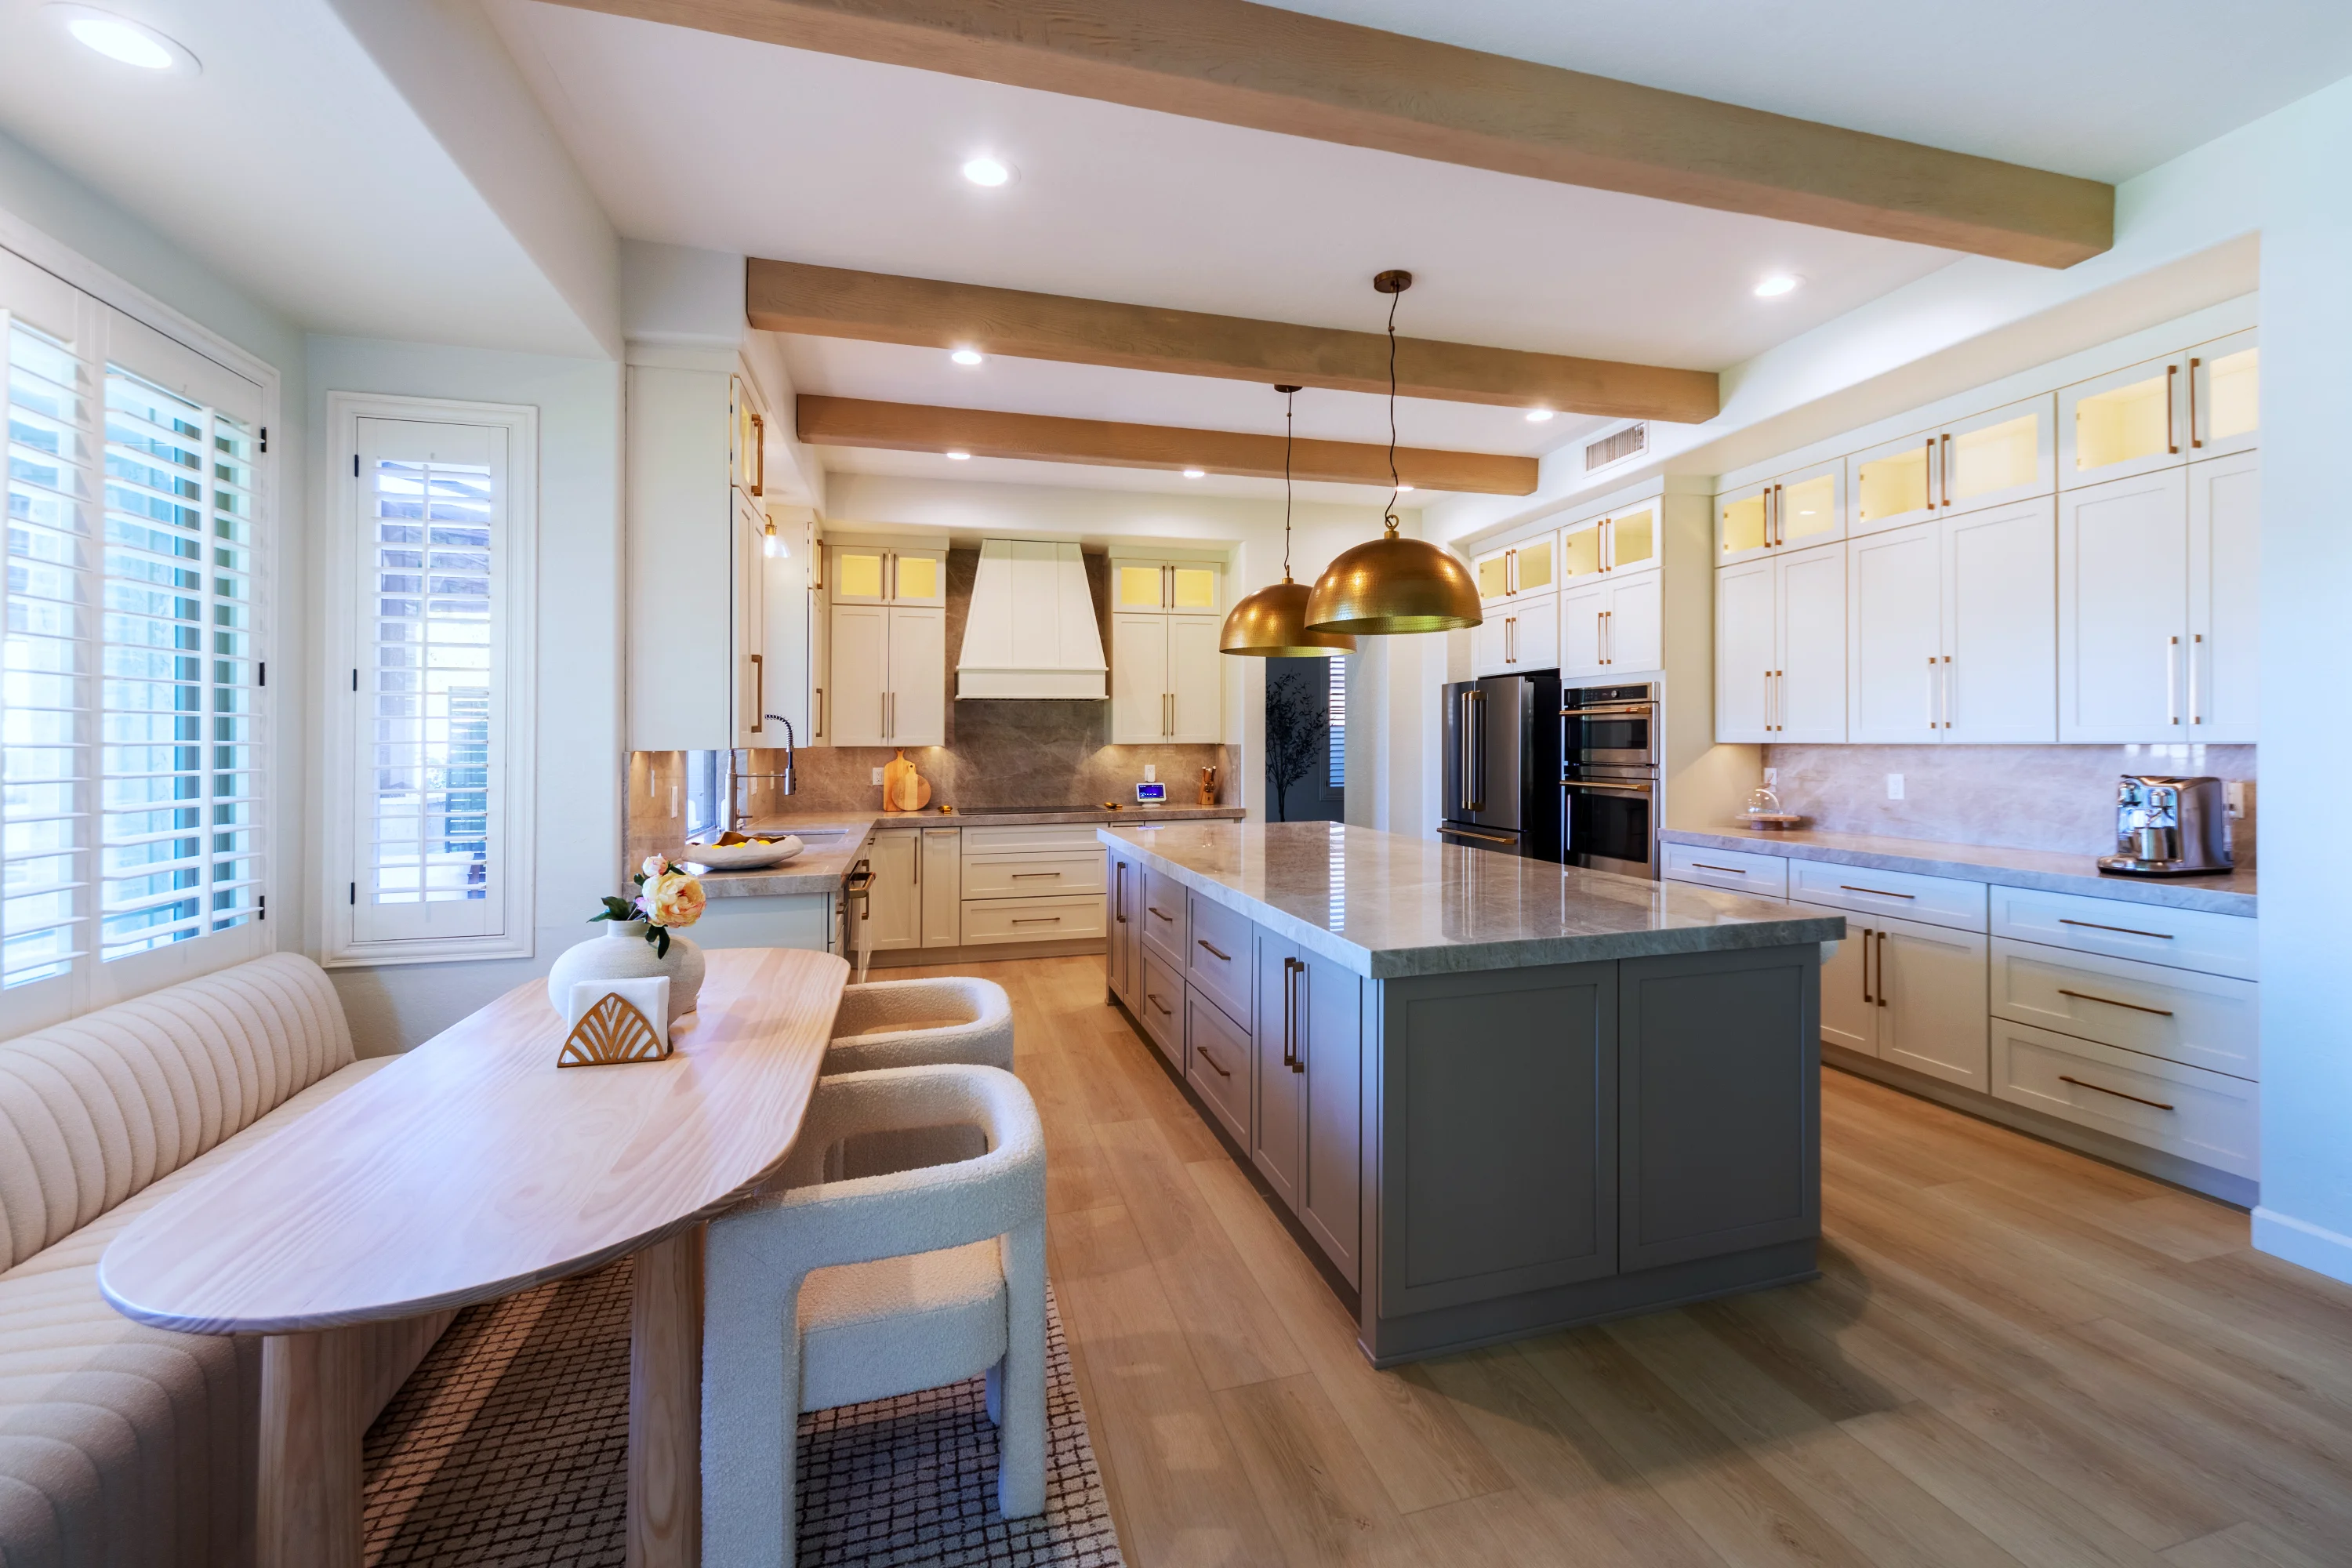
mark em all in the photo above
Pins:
pixel 122 1445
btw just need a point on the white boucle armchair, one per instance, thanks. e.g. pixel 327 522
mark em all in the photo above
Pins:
pixel 827 1293
pixel 917 1022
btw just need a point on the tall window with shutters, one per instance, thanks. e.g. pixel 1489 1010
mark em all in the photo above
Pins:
pixel 437 563
pixel 135 798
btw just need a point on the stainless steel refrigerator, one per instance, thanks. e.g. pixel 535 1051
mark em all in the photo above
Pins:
pixel 1502 766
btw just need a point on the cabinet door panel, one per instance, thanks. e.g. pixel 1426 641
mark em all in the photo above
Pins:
pixel 1139 585
pixel 1743 523
pixel 1118 960
pixel 1931 984
pixel 2224 557
pixel 1162 1012
pixel 1995 458
pixel 1894 483
pixel 2123 609
pixel 1636 636
pixel 1138 678
pixel 1531 566
pixel 2000 625
pixel 1494 573
pixel 1192 589
pixel 1744 649
pixel 1896 641
pixel 860 575
pixel 918 677
pixel 918 577
pixel 1629 540
pixel 1580 628
pixel 1330 1049
pixel 1535 641
pixel 893 912
pixel 1810 508
pixel 2225 396
pixel 1217 1064
pixel 751 665
pixel 1490 643
pixel 1849 1006
pixel 1276 1130
pixel 1195 681
pixel 939 874
pixel 2128 422
pixel 860 663
pixel 1810 698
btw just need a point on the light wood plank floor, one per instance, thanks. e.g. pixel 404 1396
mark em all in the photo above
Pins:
pixel 2015 1356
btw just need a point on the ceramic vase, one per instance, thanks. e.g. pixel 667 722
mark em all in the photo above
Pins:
pixel 623 954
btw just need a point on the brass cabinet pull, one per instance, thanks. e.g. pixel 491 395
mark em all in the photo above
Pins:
pixel 1867 999
pixel 1212 1060
pixel 2103 1089
pixel 759 692
pixel 2171 444
pixel 1291 969
pixel 1702 866
pixel 1881 967
pixel 1205 941
pixel 1447 831
pixel 1944 470
pixel 1163 914
pixel 1118 891
pixel 2087 996
pixel 1153 997
pixel 2195 440
pixel 1029 875
pixel 1874 893
pixel 2171 687
pixel 1040 921
pixel 2195 640
pixel 1927 473
pixel 2127 930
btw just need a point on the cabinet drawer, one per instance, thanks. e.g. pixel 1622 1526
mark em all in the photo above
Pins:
pixel 1216 1063
pixel 2205 1021
pixel 2180 939
pixel 1905 895
pixel 1163 917
pixel 1032 920
pixel 1027 876
pixel 1217 956
pixel 2184 1110
pixel 1760 876
pixel 1050 837
pixel 1161 1006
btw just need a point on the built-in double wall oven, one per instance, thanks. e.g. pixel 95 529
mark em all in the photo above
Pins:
pixel 1610 738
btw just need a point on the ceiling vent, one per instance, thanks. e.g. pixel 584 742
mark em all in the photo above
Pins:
pixel 1032 630
pixel 1617 445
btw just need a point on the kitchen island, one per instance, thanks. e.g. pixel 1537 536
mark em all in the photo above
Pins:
pixel 1490 1096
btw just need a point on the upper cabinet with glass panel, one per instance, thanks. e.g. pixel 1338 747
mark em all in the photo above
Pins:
pixel 1795 510
pixel 1990 459
pixel 2224 396
pixel 1522 568
pixel 885 574
pixel 1623 541
pixel 2203 403
pixel 1174 587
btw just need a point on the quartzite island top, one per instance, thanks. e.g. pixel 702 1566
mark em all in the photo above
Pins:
pixel 1388 906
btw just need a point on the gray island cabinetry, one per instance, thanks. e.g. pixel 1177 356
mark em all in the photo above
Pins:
pixel 1496 1096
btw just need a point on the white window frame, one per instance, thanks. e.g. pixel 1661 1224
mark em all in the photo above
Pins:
pixel 94 982
pixel 515 866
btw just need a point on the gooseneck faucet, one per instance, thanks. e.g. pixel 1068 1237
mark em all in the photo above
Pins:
pixel 738 785
pixel 787 774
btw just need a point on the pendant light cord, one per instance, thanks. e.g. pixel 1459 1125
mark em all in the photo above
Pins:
pixel 1289 406
pixel 1390 519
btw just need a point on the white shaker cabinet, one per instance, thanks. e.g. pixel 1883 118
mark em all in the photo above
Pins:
pixel 890 676
pixel 2225 497
pixel 1519 635
pixel 1611 626
pixel 1166 684
pixel 1909 993
pixel 1780 647
pixel 1952 627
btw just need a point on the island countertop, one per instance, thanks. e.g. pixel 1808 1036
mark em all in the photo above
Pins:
pixel 1386 906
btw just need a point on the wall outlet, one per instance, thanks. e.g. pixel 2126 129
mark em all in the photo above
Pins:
pixel 1771 775
pixel 1895 786
pixel 2234 792
pixel 877 775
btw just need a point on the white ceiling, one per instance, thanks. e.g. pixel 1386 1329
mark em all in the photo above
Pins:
pixel 2103 88
pixel 288 163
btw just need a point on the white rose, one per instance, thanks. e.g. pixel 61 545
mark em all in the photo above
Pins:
pixel 654 866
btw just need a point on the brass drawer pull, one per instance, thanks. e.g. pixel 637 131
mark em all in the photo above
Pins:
pixel 2127 930
pixel 1873 892
pixel 1212 1060
pixel 1153 997
pixel 1163 914
pixel 1702 866
pixel 2087 996
pixel 2119 1094
pixel 1205 941
pixel 1027 876
pixel 1040 921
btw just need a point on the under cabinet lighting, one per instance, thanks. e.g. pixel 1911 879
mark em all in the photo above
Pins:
pixel 1777 285
pixel 965 356
pixel 125 41
pixel 960 456
pixel 987 171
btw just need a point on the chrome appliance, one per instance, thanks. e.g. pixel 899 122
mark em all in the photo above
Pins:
pixel 1610 746
pixel 1501 755
pixel 2169 828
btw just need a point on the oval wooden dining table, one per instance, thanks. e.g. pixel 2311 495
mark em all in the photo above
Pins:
pixel 469 1169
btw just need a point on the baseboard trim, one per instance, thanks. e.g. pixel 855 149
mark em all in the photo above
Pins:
pixel 2313 1247
pixel 2223 1186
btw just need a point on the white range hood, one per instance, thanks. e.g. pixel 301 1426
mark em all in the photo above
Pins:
pixel 1032 630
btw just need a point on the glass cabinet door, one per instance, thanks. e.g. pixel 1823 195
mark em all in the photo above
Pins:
pixel 2224 396
pixel 858 577
pixel 1579 551
pixel 1806 507
pixel 1193 590
pixel 1893 483
pixel 1139 585
pixel 918 577
pixel 2130 422
pixel 1997 457
pixel 1494 576
pixel 1531 566
pixel 1741 523
pixel 1633 539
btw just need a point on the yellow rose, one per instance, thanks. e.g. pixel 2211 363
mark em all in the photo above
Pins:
pixel 674 899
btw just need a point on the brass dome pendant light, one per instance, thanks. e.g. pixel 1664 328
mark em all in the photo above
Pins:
pixel 1272 622
pixel 1393 584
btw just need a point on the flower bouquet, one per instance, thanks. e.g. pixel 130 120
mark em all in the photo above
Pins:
pixel 668 898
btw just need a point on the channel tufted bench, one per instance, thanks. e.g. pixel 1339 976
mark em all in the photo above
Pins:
pixel 122 1445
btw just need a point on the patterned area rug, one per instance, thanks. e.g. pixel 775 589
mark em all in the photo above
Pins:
pixel 509 1450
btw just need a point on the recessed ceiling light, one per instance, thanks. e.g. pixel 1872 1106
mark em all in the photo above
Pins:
pixel 960 456
pixel 1404 490
pixel 1537 415
pixel 1195 473
pixel 1778 284
pixel 987 171
pixel 965 356
pixel 125 41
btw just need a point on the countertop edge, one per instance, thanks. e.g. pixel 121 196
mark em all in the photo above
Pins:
pixel 2179 895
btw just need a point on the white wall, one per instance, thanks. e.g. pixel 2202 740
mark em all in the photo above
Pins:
pixel 2306 588
pixel 579 744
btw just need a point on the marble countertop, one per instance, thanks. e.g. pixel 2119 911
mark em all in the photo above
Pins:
pixel 2224 893
pixel 1388 906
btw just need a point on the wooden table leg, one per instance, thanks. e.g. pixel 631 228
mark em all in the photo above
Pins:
pixel 666 1405
pixel 310 1461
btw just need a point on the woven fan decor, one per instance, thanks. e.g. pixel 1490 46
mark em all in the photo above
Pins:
pixel 611 1031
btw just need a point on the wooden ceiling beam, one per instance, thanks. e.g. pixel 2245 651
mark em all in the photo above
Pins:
pixel 913 427
pixel 1273 69
pixel 877 306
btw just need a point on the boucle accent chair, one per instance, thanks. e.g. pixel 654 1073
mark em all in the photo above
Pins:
pixel 122 1445
pixel 918 1023
pixel 835 1293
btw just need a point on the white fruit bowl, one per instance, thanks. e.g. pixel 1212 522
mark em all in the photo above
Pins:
pixel 747 856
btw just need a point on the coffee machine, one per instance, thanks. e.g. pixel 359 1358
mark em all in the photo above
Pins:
pixel 2168 827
